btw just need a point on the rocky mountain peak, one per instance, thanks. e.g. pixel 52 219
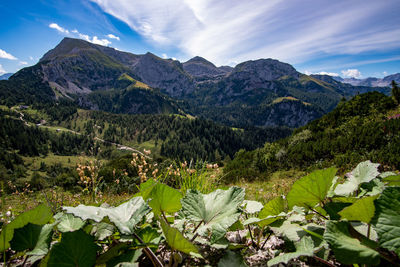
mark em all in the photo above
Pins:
pixel 202 68
pixel 393 77
pixel 264 69
pixel 67 46
pixel 199 60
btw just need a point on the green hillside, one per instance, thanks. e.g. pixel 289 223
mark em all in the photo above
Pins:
pixel 365 127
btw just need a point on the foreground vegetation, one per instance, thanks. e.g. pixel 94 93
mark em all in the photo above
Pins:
pixel 323 220
pixel 161 210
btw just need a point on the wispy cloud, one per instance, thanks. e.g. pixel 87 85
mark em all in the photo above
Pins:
pixel 4 54
pixel 233 30
pixel 112 36
pixel 58 28
pixel 23 63
pixel 352 73
pixel 86 37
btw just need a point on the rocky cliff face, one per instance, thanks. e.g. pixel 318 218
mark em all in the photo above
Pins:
pixel 291 113
pixel 165 74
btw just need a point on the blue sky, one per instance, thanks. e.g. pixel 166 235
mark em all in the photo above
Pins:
pixel 351 38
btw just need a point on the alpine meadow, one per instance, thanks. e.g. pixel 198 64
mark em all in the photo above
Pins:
pixel 199 133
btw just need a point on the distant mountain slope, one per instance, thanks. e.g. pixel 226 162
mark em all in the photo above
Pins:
pixel 264 92
pixel 365 127
pixel 5 76
pixel 201 68
pixel 371 81
pixel 348 89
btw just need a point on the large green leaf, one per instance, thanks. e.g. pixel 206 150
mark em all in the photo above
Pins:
pixel 177 241
pixel 76 249
pixel 273 207
pixel 128 258
pixel 294 231
pixel 333 208
pixel 69 223
pixel 348 249
pixel 114 250
pixel 311 189
pixel 271 210
pixel 150 236
pixel 32 237
pixel 125 216
pixel 362 210
pixel 363 173
pixel 146 188
pixel 392 180
pixel 217 210
pixel 251 206
pixel 387 219
pixel 165 199
pixel 232 259
pixel 304 248
pixel 102 230
pixel 40 215
pixel 42 245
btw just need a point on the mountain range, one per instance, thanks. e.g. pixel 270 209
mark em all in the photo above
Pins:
pixel 263 92
pixel 370 81
pixel 5 76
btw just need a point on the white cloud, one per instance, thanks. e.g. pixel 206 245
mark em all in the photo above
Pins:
pixel 104 42
pixel 164 56
pixel 4 54
pixel 23 63
pixel 322 73
pixel 328 73
pixel 385 73
pixel 233 30
pixel 58 28
pixel 30 58
pixel 112 36
pixel 2 70
pixel 351 73
pixel 94 40
pixel 76 33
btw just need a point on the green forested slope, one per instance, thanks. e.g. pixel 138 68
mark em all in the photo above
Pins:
pixel 173 136
pixel 365 127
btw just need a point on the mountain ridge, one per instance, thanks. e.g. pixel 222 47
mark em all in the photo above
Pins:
pixel 239 96
pixel 370 81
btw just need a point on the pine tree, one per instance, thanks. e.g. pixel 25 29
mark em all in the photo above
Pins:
pixel 395 91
